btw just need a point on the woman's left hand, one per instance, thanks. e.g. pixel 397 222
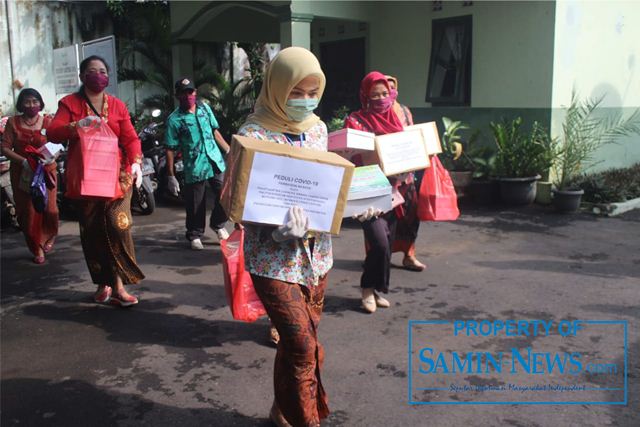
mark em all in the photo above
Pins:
pixel 136 173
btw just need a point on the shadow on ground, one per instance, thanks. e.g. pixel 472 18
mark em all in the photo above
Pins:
pixel 36 402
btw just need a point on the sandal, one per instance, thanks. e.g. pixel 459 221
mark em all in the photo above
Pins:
pixel 276 417
pixel 127 301
pixel 102 296
pixel 412 264
pixel 47 247
pixel 274 336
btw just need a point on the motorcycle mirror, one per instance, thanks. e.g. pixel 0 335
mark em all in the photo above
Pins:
pixel 156 113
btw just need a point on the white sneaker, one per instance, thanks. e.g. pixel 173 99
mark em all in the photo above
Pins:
pixel 222 234
pixel 196 245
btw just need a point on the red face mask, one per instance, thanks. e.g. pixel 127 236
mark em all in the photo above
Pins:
pixel 187 100
pixel 96 82
pixel 31 112
pixel 381 105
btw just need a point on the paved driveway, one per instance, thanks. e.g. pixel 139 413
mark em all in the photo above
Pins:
pixel 180 359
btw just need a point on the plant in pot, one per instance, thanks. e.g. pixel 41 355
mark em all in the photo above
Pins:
pixel 337 120
pixel 454 155
pixel 520 158
pixel 484 189
pixel 584 130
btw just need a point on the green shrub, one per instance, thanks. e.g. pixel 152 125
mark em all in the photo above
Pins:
pixel 613 185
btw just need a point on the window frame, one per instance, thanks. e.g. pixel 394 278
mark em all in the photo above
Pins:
pixel 462 91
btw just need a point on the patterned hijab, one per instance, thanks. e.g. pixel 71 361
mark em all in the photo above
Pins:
pixel 378 123
pixel 287 69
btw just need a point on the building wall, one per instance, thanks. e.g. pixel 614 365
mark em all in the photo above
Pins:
pixel 34 29
pixel 512 53
pixel 512 50
pixel 597 52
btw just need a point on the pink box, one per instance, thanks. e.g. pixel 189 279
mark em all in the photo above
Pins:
pixel 344 139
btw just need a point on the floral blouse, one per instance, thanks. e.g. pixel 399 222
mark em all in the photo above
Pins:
pixel 293 260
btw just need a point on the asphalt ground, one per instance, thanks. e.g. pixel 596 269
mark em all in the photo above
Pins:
pixel 179 359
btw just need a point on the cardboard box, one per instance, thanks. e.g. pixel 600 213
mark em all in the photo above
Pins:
pixel 359 157
pixel 402 152
pixel 431 137
pixel 344 139
pixel 264 179
pixel 369 187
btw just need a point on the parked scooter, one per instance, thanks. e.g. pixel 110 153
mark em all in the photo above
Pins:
pixel 154 150
pixel 7 202
pixel 8 207
pixel 143 198
pixel 66 207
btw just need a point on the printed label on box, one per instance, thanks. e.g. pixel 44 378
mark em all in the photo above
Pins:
pixel 314 187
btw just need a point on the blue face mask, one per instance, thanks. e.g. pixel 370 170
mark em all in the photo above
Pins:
pixel 300 109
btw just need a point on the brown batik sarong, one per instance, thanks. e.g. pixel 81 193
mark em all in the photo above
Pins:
pixel 105 233
pixel 295 311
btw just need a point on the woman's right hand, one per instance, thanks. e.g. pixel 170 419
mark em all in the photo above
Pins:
pixel 295 228
pixel 89 121
pixel 370 213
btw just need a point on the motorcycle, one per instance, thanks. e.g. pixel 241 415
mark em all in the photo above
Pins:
pixel 9 217
pixel 155 152
pixel 66 207
pixel 7 202
pixel 143 198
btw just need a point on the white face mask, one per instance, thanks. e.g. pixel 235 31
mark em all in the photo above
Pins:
pixel 300 109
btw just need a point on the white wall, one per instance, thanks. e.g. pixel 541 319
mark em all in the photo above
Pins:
pixel 34 29
pixel 597 52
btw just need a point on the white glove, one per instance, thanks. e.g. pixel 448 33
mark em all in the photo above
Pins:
pixel 295 228
pixel 136 173
pixel 89 121
pixel 173 186
pixel 45 162
pixel 370 213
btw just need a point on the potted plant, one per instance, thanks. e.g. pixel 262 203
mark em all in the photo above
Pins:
pixel 337 121
pixel 520 159
pixel 583 132
pixel 484 188
pixel 455 157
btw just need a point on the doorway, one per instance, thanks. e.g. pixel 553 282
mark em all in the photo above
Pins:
pixel 343 63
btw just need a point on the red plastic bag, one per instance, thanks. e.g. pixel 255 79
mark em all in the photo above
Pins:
pixel 93 164
pixel 243 300
pixel 437 200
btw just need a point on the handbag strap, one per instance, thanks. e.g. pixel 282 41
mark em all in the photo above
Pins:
pixel 86 98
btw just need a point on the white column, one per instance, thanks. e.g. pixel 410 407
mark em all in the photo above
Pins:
pixel 296 31
pixel 182 60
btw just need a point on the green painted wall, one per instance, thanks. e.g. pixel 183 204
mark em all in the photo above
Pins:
pixel 512 50
pixel 479 118
pixel 597 52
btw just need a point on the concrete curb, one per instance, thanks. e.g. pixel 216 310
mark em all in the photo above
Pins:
pixel 613 209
